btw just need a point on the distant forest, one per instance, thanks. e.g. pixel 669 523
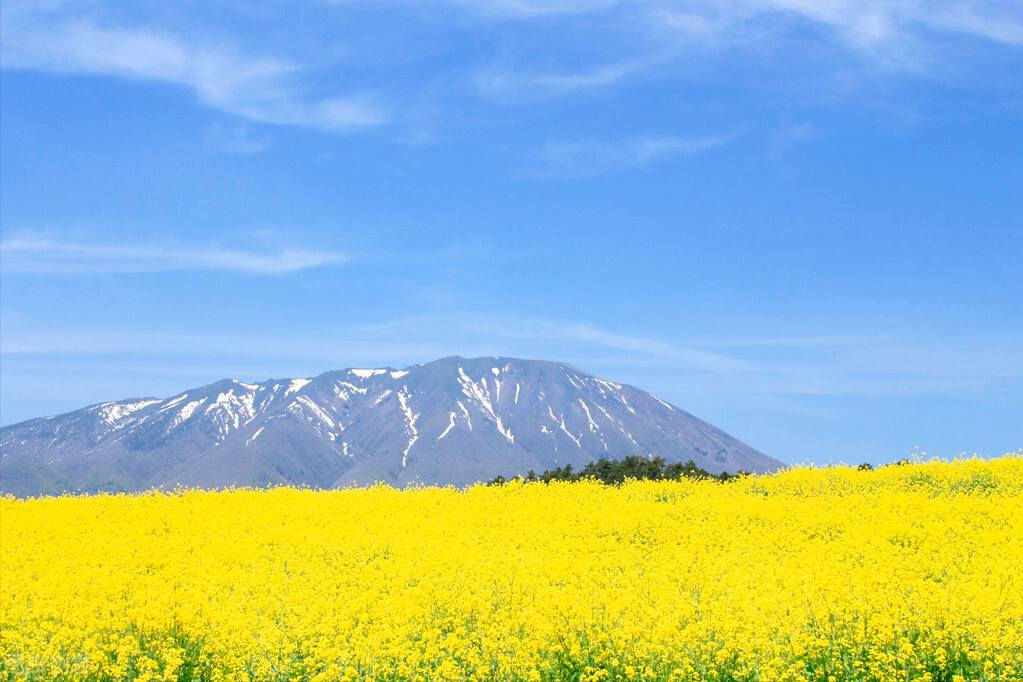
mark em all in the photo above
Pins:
pixel 616 472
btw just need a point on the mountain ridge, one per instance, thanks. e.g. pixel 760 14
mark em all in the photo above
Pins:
pixel 454 421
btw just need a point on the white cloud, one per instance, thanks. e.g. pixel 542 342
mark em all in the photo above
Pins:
pixel 863 23
pixel 894 35
pixel 36 255
pixel 506 83
pixel 398 342
pixel 577 46
pixel 261 89
pixel 816 366
pixel 586 158
pixel 492 333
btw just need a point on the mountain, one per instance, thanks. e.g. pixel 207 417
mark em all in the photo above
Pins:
pixel 454 421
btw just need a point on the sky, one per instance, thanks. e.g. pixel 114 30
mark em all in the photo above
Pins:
pixel 799 220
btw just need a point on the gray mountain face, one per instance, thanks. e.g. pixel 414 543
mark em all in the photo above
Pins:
pixel 454 421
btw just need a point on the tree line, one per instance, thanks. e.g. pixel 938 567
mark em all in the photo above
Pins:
pixel 616 472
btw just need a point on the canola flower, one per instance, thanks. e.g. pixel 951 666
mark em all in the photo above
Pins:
pixel 901 573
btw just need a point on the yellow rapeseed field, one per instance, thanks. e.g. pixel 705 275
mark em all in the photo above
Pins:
pixel 901 573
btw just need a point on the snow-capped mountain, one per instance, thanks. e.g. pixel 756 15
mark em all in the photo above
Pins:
pixel 453 421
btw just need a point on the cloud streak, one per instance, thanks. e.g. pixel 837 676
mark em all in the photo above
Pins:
pixel 824 366
pixel 503 84
pixel 586 158
pixel 489 333
pixel 850 41
pixel 588 45
pixel 41 256
pixel 260 89
pixel 862 23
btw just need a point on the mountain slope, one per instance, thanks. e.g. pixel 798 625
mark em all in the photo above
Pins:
pixel 452 421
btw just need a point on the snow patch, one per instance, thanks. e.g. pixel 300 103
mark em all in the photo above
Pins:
pixel 314 408
pixel 255 435
pixel 451 425
pixel 112 412
pixel 593 425
pixel 266 400
pixel 569 377
pixel 561 423
pixel 663 403
pixel 232 409
pixel 186 412
pixel 482 396
pixel 627 405
pixel 399 374
pixel 517 387
pixel 629 436
pixel 612 386
pixel 173 402
pixel 381 397
pixel 351 387
pixel 606 415
pixel 466 413
pixel 367 373
pixel 403 398
pixel 496 371
pixel 296 385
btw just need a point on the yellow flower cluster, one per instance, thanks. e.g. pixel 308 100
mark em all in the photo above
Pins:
pixel 901 573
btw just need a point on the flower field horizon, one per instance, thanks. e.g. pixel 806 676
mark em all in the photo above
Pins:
pixel 898 573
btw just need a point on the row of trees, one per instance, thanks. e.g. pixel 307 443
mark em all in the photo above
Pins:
pixel 615 472
pixel 867 466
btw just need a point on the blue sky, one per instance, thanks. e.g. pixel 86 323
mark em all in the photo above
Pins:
pixel 800 220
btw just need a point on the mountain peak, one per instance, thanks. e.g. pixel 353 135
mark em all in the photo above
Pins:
pixel 452 421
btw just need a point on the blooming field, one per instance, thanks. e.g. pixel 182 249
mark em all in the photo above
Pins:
pixel 909 572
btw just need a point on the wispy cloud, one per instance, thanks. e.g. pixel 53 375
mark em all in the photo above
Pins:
pixel 398 342
pixel 38 256
pixel 844 36
pixel 261 89
pixel 492 332
pixel 1000 22
pixel 863 23
pixel 586 45
pixel 584 158
pixel 817 366
pixel 506 83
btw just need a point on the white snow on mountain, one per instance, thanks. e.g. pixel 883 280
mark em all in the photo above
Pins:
pixel 369 421
pixel 186 412
pixel 367 373
pixel 481 395
pixel 403 398
pixel 450 426
pixel 113 412
pixel 296 385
